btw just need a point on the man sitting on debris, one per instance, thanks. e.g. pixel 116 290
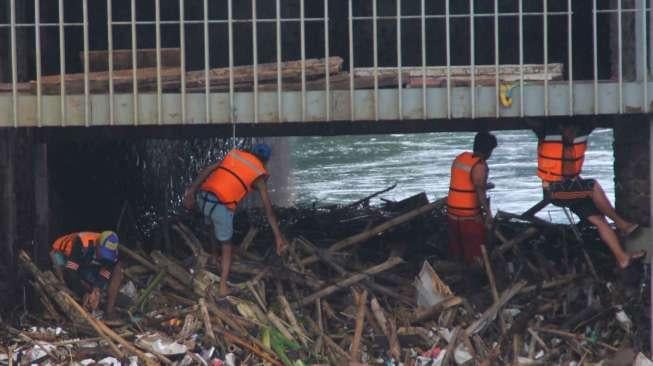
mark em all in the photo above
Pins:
pixel 468 208
pixel 561 153
pixel 87 263
pixel 220 187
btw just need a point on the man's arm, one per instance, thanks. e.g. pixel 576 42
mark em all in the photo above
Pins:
pixel 189 195
pixel 261 186
pixel 479 179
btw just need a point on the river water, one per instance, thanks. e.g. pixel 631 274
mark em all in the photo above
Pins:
pixel 344 169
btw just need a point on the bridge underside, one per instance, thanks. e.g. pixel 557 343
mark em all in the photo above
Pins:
pixel 418 110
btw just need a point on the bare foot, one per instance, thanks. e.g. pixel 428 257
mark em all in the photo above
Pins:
pixel 629 230
pixel 224 291
pixel 632 257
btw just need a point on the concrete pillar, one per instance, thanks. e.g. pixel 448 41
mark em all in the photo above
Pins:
pixel 632 169
pixel 41 204
pixel 280 168
pixel 8 217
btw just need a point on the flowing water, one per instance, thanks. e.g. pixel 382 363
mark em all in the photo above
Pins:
pixel 344 169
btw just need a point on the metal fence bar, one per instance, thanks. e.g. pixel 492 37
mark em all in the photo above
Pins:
pixel 14 68
pixel 255 59
pixel 497 87
pixel 448 45
pixel 545 51
pixel 620 57
pixel 110 59
pixel 645 104
pixel 595 59
pixel 399 68
pixel 521 58
pixel 423 29
pixel 62 65
pixel 157 36
pixel 87 107
pixel 352 113
pixel 207 64
pixel 230 35
pixel 327 86
pixel 302 39
pixel 472 67
pixel 37 57
pixel 375 49
pixel 570 59
pixel 279 82
pixel 134 65
pixel 182 56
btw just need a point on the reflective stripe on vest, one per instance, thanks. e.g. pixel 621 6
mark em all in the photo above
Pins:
pixel 550 157
pixel 232 179
pixel 64 244
pixel 462 200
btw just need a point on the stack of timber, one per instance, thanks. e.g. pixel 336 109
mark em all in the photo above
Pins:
pixel 318 73
pixel 359 284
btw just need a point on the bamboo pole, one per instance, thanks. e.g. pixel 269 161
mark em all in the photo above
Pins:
pixel 361 303
pixel 391 262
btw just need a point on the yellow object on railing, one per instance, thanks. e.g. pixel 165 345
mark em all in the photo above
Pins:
pixel 505 94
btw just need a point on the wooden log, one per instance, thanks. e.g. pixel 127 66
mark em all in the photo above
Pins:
pixel 174 284
pixel 391 262
pixel 490 274
pixel 574 336
pixel 296 326
pixel 98 60
pixel 255 348
pixel 451 347
pixel 422 314
pixel 555 282
pixel 523 236
pixel 492 311
pixel 361 303
pixel 367 234
pixel 208 328
pixel 103 330
pixel 328 340
pixel 388 327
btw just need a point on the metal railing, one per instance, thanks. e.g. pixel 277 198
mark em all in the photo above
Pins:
pixel 471 100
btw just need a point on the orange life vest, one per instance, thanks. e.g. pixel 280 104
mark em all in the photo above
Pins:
pixel 550 157
pixel 232 179
pixel 64 244
pixel 462 199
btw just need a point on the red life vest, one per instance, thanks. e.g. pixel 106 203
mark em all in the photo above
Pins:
pixel 551 155
pixel 462 199
pixel 232 179
pixel 64 244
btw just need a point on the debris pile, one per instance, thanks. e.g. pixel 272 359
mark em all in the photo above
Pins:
pixel 359 284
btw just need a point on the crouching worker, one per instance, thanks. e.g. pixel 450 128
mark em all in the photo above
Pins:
pixel 468 209
pixel 220 187
pixel 88 263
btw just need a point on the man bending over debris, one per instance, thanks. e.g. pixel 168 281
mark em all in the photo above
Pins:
pixel 220 187
pixel 468 208
pixel 560 156
pixel 88 263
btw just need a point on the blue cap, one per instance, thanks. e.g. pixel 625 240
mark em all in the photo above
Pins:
pixel 262 150
pixel 108 246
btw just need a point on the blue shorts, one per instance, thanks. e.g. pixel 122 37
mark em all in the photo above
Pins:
pixel 217 214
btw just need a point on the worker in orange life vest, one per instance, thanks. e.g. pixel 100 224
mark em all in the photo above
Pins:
pixel 220 187
pixel 560 156
pixel 468 209
pixel 87 262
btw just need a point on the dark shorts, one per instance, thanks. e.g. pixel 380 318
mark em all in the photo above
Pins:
pixel 575 194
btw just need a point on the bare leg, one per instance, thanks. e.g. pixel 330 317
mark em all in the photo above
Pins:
pixel 605 206
pixel 112 289
pixel 227 249
pixel 610 239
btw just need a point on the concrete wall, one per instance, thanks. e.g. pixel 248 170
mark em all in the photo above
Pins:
pixel 632 170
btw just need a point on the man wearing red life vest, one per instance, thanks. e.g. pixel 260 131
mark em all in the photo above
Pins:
pixel 468 209
pixel 220 187
pixel 88 263
pixel 561 153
